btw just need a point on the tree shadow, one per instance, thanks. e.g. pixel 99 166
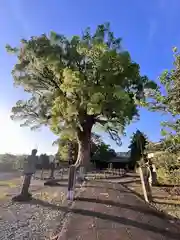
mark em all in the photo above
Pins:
pixel 59 185
pixel 54 182
pixel 131 181
pixel 121 220
pixel 167 203
pixel 142 209
pixel 108 188
pixel 113 177
pixel 168 198
pixel 120 180
pixel 167 185
pixel 57 179
pixel 128 222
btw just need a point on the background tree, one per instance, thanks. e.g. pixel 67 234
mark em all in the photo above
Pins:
pixel 76 83
pixel 166 99
pixel 137 147
pixel 102 155
pixel 68 144
pixel 67 148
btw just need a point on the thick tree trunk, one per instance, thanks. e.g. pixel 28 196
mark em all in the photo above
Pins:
pixel 83 158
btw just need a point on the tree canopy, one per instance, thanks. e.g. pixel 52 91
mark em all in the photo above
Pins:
pixel 74 83
pixel 166 99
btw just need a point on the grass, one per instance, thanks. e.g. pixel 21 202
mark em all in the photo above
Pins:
pixel 8 183
pixel 6 186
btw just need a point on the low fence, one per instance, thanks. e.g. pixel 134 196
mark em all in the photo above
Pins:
pixel 108 173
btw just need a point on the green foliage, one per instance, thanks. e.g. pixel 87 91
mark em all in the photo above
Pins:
pixel 103 154
pixel 168 168
pixel 74 83
pixel 77 82
pixel 67 148
pixel 167 100
pixel 137 147
pixel 155 146
pixel 9 162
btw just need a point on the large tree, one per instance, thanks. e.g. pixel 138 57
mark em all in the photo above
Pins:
pixel 75 83
pixel 166 99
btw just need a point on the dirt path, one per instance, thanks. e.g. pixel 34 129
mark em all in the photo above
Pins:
pixel 110 211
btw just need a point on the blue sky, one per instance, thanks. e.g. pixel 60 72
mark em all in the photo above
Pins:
pixel 149 30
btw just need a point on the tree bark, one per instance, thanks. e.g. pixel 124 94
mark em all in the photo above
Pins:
pixel 83 158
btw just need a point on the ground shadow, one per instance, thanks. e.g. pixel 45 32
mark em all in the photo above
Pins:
pixel 118 182
pixel 59 185
pixel 142 209
pixel 131 181
pixel 55 180
pixel 167 185
pixel 168 198
pixel 108 188
pixel 166 203
pixel 53 184
pixel 127 222
pixel 133 192
pixel 111 177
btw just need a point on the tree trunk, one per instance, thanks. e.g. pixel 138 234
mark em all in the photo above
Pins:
pixel 83 161
pixel 83 158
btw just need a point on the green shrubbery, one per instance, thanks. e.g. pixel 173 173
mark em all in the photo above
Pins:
pixel 168 168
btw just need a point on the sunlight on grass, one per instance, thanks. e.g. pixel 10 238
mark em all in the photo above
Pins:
pixel 8 183
pixel 3 196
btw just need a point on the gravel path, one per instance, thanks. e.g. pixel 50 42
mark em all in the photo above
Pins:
pixel 26 221
pixel 36 219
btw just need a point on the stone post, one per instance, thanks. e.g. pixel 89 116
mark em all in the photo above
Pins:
pixel 29 169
